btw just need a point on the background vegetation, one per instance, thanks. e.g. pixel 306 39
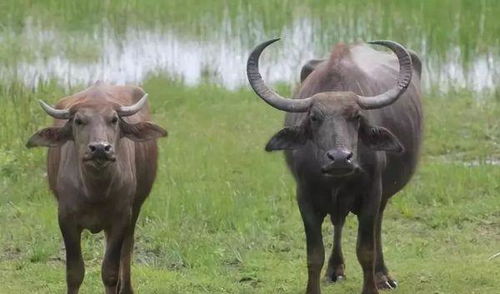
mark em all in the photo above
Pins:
pixel 222 217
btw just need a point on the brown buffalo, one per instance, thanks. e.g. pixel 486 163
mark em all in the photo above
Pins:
pixel 101 166
pixel 352 137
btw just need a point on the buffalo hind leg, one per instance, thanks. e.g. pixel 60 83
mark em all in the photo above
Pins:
pixel 75 268
pixel 336 265
pixel 111 262
pixel 383 279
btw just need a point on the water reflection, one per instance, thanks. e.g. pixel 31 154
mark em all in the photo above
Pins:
pixel 132 56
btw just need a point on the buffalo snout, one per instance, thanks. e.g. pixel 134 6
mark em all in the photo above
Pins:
pixel 100 151
pixel 339 162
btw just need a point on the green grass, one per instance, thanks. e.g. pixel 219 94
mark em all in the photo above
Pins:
pixel 222 217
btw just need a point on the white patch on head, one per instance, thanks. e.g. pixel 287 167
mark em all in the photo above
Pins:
pixel 373 62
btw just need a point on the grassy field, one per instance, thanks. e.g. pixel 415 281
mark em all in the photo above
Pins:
pixel 222 217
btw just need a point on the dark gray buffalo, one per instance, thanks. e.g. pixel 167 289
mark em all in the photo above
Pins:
pixel 101 166
pixel 352 138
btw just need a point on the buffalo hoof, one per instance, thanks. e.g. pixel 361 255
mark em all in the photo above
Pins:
pixel 385 282
pixel 335 278
pixel 335 274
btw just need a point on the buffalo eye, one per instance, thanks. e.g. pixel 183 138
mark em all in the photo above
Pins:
pixel 314 118
pixel 78 122
pixel 356 117
pixel 114 120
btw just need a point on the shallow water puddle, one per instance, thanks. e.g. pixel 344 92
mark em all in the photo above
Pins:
pixel 217 50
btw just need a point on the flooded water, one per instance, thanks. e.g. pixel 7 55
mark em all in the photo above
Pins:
pixel 456 40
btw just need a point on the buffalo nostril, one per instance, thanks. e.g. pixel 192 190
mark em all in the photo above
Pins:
pixel 330 155
pixel 349 156
pixel 99 148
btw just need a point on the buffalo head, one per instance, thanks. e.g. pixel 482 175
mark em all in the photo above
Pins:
pixel 335 122
pixel 95 126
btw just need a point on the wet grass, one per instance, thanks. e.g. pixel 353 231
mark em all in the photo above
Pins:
pixel 222 216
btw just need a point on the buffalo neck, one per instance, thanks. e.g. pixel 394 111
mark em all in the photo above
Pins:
pixel 98 183
pixel 101 184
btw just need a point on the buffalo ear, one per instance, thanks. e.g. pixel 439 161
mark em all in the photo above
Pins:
pixel 51 137
pixel 287 139
pixel 308 68
pixel 142 131
pixel 379 138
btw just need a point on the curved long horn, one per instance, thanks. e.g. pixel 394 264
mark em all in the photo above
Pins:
pixel 264 92
pixel 134 108
pixel 404 78
pixel 55 113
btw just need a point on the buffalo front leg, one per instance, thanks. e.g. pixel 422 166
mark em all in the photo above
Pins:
pixel 315 250
pixel 382 277
pixel 366 243
pixel 75 268
pixel 125 284
pixel 336 266
pixel 111 261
